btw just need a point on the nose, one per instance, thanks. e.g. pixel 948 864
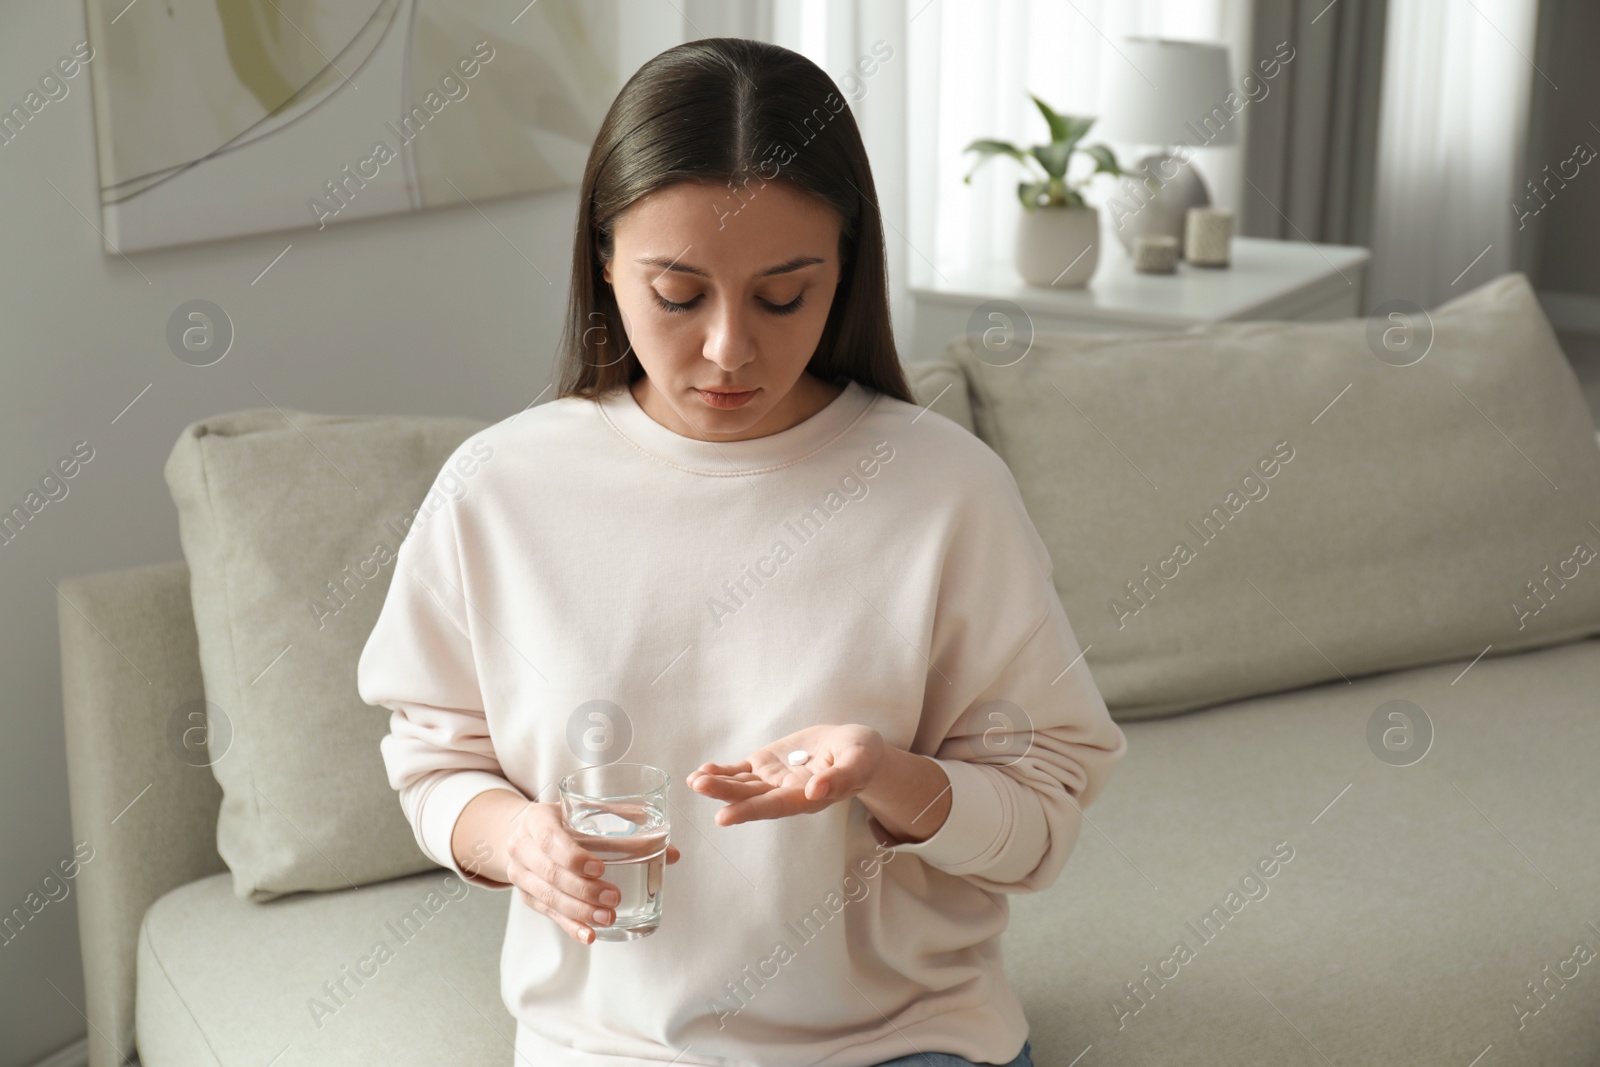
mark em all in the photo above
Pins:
pixel 730 341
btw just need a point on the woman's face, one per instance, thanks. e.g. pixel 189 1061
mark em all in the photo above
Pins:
pixel 726 291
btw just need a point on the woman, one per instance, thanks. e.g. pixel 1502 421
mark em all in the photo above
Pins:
pixel 733 537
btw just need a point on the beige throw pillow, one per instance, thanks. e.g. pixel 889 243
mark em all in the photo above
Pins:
pixel 940 386
pixel 290 533
pixel 1259 506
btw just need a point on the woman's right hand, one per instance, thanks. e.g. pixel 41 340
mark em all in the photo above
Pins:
pixel 558 877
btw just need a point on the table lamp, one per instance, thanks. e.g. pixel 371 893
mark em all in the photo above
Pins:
pixel 1169 93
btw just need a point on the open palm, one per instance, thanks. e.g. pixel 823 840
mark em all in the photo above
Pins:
pixel 843 761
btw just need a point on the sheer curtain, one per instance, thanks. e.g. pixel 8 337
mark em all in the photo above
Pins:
pixel 1458 75
pixel 956 70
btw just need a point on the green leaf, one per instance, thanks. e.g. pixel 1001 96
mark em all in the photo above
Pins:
pixel 1057 124
pixel 1105 161
pixel 1053 157
pixel 1029 193
pixel 988 148
pixel 1077 128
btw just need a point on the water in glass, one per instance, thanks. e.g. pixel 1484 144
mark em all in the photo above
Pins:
pixel 631 840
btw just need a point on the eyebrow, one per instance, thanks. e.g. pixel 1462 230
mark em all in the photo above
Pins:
pixel 684 268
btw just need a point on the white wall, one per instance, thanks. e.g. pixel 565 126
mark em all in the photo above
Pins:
pixel 429 313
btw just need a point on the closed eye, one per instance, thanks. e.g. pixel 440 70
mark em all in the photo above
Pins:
pixel 777 309
pixel 786 309
pixel 668 305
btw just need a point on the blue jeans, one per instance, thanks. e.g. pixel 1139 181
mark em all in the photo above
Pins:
pixel 945 1059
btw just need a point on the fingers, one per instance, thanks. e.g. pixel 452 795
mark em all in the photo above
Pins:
pixel 774 804
pixel 565 911
pixel 728 769
pixel 582 894
pixel 720 788
pixel 841 774
pixel 551 871
pixel 834 779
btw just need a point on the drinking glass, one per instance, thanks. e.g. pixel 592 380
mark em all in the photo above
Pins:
pixel 618 812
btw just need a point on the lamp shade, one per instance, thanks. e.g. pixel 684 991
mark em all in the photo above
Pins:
pixel 1169 93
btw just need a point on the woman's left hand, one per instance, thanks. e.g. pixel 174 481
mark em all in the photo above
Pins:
pixel 843 761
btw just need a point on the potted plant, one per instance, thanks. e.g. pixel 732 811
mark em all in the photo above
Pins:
pixel 1058 234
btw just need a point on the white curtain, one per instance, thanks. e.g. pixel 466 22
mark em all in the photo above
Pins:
pixel 1458 75
pixel 960 70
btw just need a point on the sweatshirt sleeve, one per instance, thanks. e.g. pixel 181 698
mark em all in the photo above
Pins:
pixel 418 662
pixel 1010 711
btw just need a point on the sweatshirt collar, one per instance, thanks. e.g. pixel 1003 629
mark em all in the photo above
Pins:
pixel 726 458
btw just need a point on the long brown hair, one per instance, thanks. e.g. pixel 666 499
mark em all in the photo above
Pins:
pixel 740 112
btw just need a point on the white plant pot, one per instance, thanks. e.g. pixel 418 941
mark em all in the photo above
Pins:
pixel 1058 246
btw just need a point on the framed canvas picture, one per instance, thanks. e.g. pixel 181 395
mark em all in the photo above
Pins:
pixel 216 118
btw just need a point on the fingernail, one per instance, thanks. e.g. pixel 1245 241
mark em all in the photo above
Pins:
pixel 610 896
pixel 600 916
pixel 594 868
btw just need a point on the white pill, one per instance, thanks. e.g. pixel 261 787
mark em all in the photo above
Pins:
pixel 798 756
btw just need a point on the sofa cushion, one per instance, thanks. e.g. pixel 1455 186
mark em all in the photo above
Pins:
pixel 405 972
pixel 1419 907
pixel 289 523
pixel 940 385
pixel 1250 507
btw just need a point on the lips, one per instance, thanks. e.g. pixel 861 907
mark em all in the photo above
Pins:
pixel 723 398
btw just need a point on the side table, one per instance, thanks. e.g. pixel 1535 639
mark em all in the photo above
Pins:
pixel 1267 279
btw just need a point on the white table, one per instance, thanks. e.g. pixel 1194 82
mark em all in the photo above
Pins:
pixel 1267 279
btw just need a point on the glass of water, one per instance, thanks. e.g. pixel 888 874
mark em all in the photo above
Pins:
pixel 618 812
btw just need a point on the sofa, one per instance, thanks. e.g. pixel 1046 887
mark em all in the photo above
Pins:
pixel 1345 831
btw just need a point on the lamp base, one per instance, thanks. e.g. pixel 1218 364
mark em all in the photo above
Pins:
pixel 1155 202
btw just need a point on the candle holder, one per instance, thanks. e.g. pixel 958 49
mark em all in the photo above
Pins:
pixel 1207 236
pixel 1155 253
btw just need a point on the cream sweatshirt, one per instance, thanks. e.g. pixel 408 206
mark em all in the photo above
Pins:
pixel 585 585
